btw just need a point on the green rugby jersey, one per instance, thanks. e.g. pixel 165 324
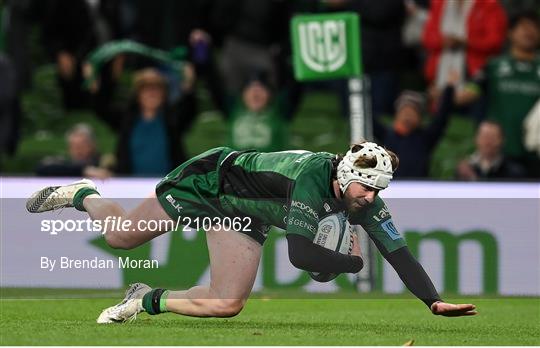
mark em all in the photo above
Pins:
pixel 293 190
pixel 512 87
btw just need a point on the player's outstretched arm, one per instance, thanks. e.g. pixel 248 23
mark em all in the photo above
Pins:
pixel 453 310
pixel 418 282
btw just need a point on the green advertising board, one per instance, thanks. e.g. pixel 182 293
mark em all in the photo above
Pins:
pixel 188 261
pixel 326 46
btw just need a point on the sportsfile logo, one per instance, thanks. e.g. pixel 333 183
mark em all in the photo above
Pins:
pixel 323 45
pixel 304 208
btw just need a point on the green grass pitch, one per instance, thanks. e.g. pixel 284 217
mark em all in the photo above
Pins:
pixel 275 321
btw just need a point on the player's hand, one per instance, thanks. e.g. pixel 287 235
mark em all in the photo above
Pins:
pixel 355 246
pixel 453 310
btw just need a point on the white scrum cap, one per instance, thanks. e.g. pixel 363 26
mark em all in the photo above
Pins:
pixel 377 178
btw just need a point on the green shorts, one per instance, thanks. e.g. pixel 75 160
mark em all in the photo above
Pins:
pixel 192 191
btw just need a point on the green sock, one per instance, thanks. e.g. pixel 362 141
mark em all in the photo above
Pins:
pixel 81 195
pixel 163 302
pixel 154 301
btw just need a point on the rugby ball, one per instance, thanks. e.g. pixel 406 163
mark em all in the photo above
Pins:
pixel 335 233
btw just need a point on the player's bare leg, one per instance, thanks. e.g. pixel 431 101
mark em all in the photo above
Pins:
pixel 150 209
pixel 83 195
pixel 234 259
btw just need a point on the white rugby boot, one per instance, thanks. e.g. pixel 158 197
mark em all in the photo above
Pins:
pixel 127 310
pixel 56 197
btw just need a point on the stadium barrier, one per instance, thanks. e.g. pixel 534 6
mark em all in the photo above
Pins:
pixel 472 238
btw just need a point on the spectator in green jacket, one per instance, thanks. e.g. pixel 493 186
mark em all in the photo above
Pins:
pixel 511 85
pixel 257 117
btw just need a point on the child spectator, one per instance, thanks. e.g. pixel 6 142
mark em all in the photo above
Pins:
pixel 413 143
pixel 256 119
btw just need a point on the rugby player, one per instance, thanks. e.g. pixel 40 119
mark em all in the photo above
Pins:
pixel 292 190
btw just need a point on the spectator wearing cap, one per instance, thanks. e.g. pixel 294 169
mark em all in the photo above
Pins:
pixel 150 129
pixel 84 158
pixel 412 142
pixel 488 162
pixel 257 117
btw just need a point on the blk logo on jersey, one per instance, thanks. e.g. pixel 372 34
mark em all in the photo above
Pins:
pixel 173 202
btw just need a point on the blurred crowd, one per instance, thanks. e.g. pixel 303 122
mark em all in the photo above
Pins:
pixel 425 61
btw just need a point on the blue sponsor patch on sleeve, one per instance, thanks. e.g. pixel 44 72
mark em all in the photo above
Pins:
pixel 390 229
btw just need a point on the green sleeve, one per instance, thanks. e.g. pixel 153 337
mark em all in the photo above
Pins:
pixel 378 223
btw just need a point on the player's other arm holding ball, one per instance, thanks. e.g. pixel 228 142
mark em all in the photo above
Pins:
pixel 302 223
pixel 308 256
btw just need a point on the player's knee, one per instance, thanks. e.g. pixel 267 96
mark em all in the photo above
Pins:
pixel 116 241
pixel 229 307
